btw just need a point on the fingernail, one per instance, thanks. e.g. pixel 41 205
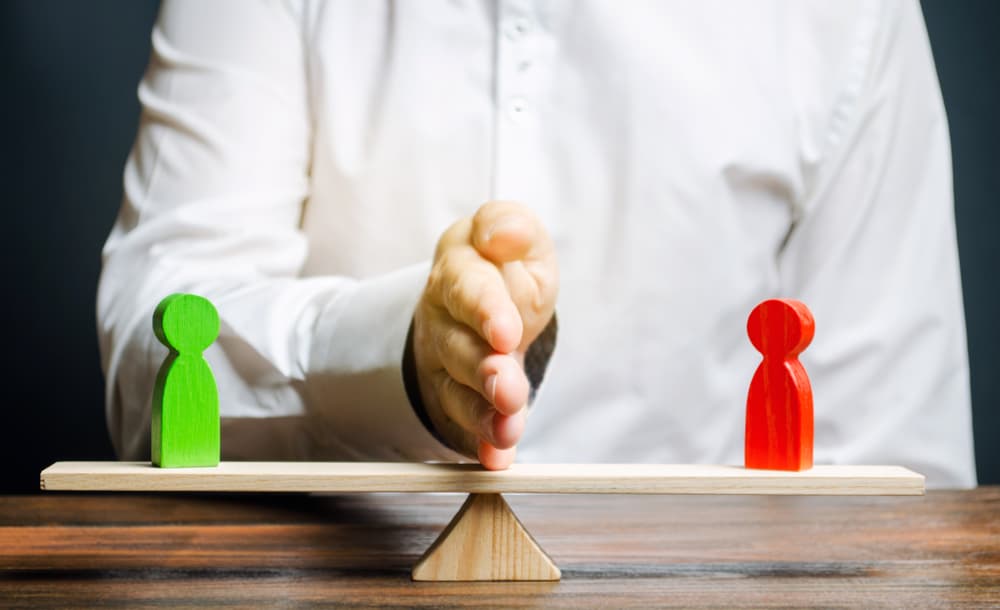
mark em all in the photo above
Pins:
pixel 491 387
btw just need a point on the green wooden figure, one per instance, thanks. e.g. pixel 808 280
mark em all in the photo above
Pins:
pixel 185 419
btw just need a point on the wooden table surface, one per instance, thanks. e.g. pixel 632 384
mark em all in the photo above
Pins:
pixel 129 550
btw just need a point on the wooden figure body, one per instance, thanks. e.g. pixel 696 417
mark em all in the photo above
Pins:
pixel 779 425
pixel 185 417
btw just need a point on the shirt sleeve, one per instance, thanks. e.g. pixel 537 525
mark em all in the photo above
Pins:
pixel 307 368
pixel 874 254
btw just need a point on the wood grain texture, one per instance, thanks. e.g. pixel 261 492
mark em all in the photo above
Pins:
pixel 471 478
pixel 485 541
pixel 779 420
pixel 184 429
pixel 941 550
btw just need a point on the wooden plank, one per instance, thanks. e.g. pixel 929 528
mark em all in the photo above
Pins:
pixel 471 478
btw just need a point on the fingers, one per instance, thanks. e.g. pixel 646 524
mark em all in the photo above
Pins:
pixel 495 459
pixel 497 274
pixel 491 290
pixel 498 378
pixel 512 237
pixel 473 292
pixel 470 411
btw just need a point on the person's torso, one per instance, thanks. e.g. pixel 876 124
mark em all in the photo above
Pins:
pixel 666 146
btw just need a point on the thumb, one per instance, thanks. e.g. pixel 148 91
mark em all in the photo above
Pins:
pixel 506 231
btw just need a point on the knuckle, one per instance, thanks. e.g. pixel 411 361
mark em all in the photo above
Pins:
pixel 433 279
pixel 446 389
pixel 439 382
pixel 454 292
pixel 454 399
pixel 443 277
pixel 447 342
pixel 452 235
pixel 437 406
pixel 465 295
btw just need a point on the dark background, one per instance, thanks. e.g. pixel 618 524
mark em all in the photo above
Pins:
pixel 69 109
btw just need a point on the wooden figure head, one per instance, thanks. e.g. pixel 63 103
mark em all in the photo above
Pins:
pixel 186 323
pixel 781 327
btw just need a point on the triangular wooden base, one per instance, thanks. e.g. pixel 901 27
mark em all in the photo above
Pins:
pixel 485 541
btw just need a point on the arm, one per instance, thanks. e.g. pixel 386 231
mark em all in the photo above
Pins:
pixel 213 196
pixel 874 253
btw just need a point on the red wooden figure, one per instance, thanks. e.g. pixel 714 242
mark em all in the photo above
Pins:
pixel 779 429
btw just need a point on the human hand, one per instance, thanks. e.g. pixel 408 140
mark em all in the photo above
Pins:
pixel 491 292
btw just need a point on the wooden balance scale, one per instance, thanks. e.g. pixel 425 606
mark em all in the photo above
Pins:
pixel 485 540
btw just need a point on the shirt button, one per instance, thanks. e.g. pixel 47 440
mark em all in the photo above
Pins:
pixel 517 28
pixel 517 108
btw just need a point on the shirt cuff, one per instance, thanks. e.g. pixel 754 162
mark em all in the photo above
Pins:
pixel 354 383
pixel 536 358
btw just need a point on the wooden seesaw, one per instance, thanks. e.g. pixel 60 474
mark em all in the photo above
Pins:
pixel 485 540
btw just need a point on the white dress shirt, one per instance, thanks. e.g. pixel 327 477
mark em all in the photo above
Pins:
pixel 297 161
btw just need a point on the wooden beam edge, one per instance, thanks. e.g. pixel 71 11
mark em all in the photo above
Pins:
pixel 416 478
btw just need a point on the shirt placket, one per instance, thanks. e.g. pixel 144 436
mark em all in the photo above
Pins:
pixel 517 101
